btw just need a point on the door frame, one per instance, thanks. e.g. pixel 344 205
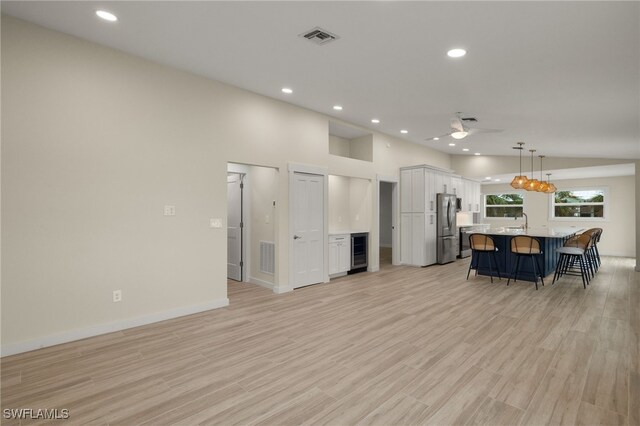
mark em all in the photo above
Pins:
pixel 395 214
pixel 294 168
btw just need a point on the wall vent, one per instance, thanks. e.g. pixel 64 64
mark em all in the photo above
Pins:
pixel 319 36
pixel 267 257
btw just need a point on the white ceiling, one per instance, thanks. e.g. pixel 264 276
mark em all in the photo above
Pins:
pixel 562 76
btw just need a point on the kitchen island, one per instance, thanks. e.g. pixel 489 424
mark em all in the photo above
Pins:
pixel 550 239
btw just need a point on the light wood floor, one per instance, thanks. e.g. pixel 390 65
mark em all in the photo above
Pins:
pixel 402 346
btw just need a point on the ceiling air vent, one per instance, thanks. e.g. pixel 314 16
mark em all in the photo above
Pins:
pixel 471 119
pixel 319 36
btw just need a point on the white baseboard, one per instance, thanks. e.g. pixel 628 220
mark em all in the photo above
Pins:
pixel 96 330
pixel 280 290
pixel 261 283
pixel 386 245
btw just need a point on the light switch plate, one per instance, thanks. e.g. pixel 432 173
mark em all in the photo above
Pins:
pixel 169 210
pixel 215 223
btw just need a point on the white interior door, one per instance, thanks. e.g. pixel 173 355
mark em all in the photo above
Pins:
pixel 308 229
pixel 234 226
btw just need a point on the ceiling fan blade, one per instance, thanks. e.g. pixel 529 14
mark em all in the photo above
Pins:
pixel 473 130
pixel 435 138
pixel 457 125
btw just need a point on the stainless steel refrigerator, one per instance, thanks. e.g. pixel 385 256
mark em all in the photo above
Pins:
pixel 446 236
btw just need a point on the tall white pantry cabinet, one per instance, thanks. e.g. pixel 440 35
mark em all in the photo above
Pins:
pixel 418 188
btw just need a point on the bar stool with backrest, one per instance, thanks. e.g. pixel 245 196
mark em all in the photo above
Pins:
pixel 574 251
pixel 526 246
pixel 482 244
pixel 593 256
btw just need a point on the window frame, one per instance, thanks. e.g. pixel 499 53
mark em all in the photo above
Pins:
pixel 515 191
pixel 604 204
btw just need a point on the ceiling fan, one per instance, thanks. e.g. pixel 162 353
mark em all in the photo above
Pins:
pixel 460 131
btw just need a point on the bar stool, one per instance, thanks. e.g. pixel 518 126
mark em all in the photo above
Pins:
pixel 526 246
pixel 482 244
pixel 574 250
pixel 592 253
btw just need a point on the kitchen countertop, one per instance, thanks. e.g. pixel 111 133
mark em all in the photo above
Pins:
pixel 534 232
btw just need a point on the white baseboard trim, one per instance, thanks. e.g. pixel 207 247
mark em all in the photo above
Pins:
pixel 261 283
pixel 280 290
pixel 386 245
pixel 96 330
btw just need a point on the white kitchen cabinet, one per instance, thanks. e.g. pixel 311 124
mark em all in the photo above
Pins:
pixel 417 190
pixel 412 190
pixel 339 254
pixel 406 191
pixel 413 244
pixel 430 239
pixel 471 196
pixel 430 191
pixel 419 187
pixel 456 186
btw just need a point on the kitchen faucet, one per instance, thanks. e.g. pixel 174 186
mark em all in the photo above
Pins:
pixel 526 221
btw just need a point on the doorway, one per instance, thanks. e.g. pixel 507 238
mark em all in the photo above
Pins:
pixel 251 224
pixel 388 235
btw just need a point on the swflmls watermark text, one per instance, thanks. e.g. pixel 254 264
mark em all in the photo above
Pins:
pixel 35 413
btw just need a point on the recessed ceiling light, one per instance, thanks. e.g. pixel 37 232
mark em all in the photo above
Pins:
pixel 476 153
pixel 375 121
pixel 337 107
pixel 107 16
pixel 436 139
pixel 287 90
pixel 488 178
pixel 452 144
pixel 465 149
pixel 404 132
pixel 456 53
pixel 496 180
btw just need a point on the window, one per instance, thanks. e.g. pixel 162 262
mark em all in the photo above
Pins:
pixel 503 205
pixel 579 204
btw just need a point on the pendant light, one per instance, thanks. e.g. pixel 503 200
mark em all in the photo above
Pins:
pixel 551 188
pixel 543 185
pixel 520 181
pixel 533 183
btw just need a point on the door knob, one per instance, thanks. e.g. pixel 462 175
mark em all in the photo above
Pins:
pixel 296 237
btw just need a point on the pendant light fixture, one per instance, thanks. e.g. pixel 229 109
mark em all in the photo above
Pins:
pixel 551 188
pixel 533 183
pixel 543 184
pixel 520 181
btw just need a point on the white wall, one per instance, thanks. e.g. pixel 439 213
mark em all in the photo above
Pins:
pixel 263 193
pixel 339 146
pixel 619 228
pixel 360 205
pixel 386 190
pixel 95 142
pixel 350 205
pixel 339 210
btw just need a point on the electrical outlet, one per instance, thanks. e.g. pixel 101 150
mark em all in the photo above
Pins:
pixel 169 210
pixel 117 296
pixel 215 223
